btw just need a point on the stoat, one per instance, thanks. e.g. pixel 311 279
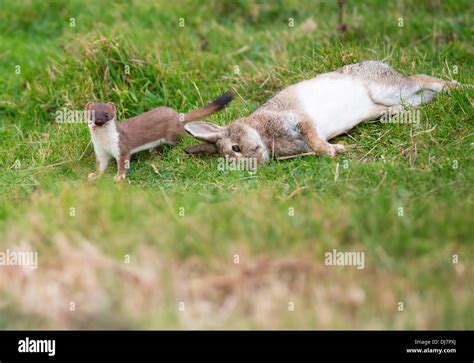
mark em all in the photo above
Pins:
pixel 119 140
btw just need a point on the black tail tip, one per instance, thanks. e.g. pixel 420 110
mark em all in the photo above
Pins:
pixel 224 100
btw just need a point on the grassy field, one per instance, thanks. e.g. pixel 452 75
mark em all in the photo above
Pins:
pixel 191 246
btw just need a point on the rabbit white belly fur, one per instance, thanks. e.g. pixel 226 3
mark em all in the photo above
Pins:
pixel 335 104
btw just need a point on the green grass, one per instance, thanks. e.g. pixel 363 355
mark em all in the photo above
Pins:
pixel 184 226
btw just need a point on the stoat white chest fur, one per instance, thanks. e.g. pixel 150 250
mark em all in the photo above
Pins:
pixel 106 139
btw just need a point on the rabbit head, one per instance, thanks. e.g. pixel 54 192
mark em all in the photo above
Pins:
pixel 236 140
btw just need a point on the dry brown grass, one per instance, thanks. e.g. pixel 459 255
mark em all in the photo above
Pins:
pixel 253 293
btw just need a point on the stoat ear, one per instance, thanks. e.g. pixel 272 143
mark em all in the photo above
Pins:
pixel 205 131
pixel 201 149
pixel 88 105
pixel 110 104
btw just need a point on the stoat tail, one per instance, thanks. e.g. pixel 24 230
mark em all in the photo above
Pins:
pixel 210 108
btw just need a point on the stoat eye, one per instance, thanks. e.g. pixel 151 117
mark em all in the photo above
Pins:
pixel 236 148
pixel 106 114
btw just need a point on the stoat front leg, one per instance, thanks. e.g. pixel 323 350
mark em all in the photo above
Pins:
pixel 319 145
pixel 123 164
pixel 102 159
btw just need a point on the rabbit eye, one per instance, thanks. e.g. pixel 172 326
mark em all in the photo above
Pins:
pixel 236 148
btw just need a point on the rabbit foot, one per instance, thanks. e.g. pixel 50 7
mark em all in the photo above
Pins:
pixel 335 149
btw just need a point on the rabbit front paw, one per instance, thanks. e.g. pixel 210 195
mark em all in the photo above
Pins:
pixel 335 149
pixel 340 149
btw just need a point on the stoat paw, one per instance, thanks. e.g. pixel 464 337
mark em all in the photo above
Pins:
pixel 92 177
pixel 119 177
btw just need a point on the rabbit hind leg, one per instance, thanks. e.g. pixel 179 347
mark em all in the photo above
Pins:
pixel 424 88
pixel 432 83
pixel 413 91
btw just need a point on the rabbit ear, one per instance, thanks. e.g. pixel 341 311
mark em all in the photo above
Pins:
pixel 201 149
pixel 205 131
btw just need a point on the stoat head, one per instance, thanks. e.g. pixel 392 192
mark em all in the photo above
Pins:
pixel 236 140
pixel 99 114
